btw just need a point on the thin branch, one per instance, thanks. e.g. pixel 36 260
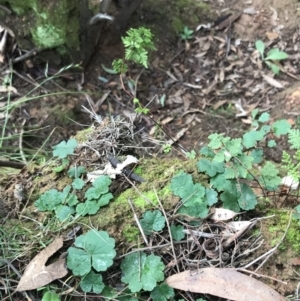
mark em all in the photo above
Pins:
pixel 138 223
pixel 169 229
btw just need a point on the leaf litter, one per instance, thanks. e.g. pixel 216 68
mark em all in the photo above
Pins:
pixel 224 283
pixel 37 274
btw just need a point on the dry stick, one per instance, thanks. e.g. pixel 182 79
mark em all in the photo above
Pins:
pixel 26 79
pixel 146 249
pixel 297 291
pixel 169 229
pixel 269 253
pixel 138 223
pixel 27 55
pixel 12 164
pixel 21 142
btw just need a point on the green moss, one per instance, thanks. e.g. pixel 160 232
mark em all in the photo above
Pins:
pixel 56 26
pixel 131 233
pixel 83 135
pixel 277 229
pixel 51 24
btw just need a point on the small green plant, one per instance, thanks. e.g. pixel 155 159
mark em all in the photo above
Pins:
pixel 137 42
pixel 63 149
pixel 186 34
pixel 191 155
pixel 143 275
pixel 65 204
pixel 272 55
pixel 177 232
pixel 167 148
pixel 50 296
pixel 227 160
pixel 162 292
pixel 93 251
pixel 196 199
pixel 152 221
pixel 139 108
pixel 291 163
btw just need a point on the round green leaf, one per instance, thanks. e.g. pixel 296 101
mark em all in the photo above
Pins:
pixel 92 282
pixel 50 296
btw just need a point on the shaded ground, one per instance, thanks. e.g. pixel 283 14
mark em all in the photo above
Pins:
pixel 208 84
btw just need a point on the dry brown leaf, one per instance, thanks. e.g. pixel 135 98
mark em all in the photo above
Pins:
pixel 224 283
pixel 189 119
pixel 210 87
pixel 273 82
pixel 272 36
pixel 177 137
pixel 247 121
pixel 222 74
pixel 37 274
pixel 186 103
pixel 178 73
pixel 8 89
pixel 223 41
pixel 206 46
pixel 233 64
pixel 219 104
pixel 166 120
pixel 200 54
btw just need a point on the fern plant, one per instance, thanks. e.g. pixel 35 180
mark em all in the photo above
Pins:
pixel 137 42
pixel 292 162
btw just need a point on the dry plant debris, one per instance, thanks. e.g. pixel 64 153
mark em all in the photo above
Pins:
pixel 115 136
pixel 213 256
pixel 37 274
pixel 224 283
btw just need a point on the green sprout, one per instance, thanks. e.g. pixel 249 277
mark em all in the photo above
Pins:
pixel 187 34
pixel 272 55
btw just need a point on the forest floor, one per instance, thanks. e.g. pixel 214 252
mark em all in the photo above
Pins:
pixel 194 87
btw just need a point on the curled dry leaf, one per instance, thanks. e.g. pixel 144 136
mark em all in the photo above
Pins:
pixel 212 248
pixel 224 283
pixel 222 214
pixel 239 225
pixel 111 171
pixel 37 274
